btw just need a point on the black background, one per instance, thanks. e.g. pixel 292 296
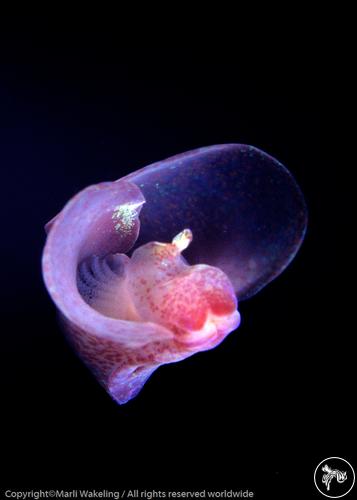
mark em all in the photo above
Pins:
pixel 270 402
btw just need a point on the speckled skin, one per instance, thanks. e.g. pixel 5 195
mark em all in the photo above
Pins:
pixel 122 370
pixel 248 218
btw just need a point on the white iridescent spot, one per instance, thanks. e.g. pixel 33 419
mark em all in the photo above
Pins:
pixel 124 216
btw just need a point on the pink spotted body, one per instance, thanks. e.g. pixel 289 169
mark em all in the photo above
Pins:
pixel 196 303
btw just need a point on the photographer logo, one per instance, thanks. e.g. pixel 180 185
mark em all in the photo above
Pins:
pixel 334 477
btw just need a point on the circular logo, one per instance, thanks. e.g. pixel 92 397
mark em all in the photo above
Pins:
pixel 334 477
